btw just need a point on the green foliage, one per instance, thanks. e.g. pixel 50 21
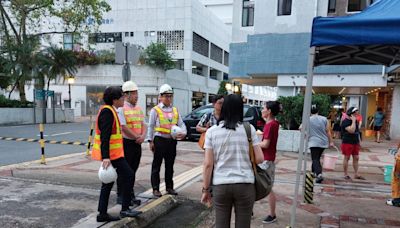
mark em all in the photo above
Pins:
pixel 293 108
pixel 20 32
pixel 222 90
pixel 4 102
pixel 156 55
pixel 105 57
pixel 93 58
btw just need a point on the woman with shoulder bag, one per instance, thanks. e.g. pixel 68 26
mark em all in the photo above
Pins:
pixel 227 160
pixel 210 119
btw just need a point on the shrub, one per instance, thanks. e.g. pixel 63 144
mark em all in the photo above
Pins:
pixel 292 114
pixel 9 103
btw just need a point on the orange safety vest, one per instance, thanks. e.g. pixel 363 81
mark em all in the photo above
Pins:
pixel 134 118
pixel 167 120
pixel 116 145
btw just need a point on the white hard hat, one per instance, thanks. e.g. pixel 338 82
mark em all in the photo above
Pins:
pixel 175 130
pixel 166 89
pixel 129 86
pixel 107 175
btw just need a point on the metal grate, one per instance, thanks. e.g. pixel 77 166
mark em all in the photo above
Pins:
pixel 200 44
pixel 216 53
pixel 173 40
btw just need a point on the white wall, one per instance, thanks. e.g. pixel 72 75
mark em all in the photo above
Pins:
pixel 267 21
pixel 345 80
pixel 395 118
pixel 239 33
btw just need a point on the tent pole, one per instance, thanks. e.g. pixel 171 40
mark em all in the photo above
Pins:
pixel 305 120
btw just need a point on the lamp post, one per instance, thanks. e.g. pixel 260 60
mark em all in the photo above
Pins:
pixel 70 80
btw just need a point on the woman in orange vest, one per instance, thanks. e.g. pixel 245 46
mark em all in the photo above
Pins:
pixel 108 148
pixel 162 118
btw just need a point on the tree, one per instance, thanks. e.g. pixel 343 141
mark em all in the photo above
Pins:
pixel 19 20
pixel 222 89
pixel 157 55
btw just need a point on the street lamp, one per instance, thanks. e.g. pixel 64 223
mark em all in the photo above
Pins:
pixel 70 80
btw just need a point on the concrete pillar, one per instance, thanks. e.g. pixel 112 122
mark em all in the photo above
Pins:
pixel 395 119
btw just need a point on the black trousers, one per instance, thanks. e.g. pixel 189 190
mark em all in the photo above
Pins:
pixel 316 153
pixel 133 153
pixel 163 149
pixel 125 175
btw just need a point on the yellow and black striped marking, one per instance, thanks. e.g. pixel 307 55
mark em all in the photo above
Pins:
pixel 309 188
pixel 45 141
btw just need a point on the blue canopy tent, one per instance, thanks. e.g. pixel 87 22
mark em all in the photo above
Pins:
pixel 370 37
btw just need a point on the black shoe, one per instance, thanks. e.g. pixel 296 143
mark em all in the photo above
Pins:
pixel 269 219
pixel 106 218
pixel 172 191
pixel 319 179
pixel 136 202
pixel 129 213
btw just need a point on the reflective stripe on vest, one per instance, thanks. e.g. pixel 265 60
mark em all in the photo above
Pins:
pixel 134 118
pixel 116 148
pixel 166 123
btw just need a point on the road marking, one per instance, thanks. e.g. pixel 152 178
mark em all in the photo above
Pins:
pixel 64 133
pixel 77 143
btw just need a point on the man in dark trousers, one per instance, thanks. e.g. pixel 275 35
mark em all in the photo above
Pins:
pixel 162 118
pixel 108 148
pixel 133 131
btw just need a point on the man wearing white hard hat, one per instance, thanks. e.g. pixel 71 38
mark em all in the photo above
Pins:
pixel 165 127
pixel 133 132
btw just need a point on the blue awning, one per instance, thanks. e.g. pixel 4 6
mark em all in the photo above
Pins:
pixel 369 37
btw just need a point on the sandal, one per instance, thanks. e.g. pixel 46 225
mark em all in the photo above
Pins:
pixel 347 177
pixel 359 177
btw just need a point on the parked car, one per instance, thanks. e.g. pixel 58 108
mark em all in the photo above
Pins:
pixel 252 114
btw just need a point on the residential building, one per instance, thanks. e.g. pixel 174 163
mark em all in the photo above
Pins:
pixel 274 51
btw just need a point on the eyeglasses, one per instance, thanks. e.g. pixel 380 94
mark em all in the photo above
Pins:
pixel 168 95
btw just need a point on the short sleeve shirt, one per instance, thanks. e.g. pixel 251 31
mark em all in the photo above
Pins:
pixel 347 137
pixel 231 154
pixel 271 131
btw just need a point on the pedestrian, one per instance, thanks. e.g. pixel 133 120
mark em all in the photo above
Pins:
pixel 350 143
pixel 162 118
pixel 210 119
pixel 319 139
pixel 269 141
pixel 108 148
pixel 228 168
pixel 395 200
pixel 379 116
pixel 134 132
pixel 337 123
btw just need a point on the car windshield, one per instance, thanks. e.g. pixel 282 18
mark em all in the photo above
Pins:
pixel 201 111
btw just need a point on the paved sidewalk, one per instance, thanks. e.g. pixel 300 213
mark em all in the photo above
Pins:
pixel 337 202
pixel 65 192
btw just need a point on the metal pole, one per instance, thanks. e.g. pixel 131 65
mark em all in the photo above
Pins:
pixel 69 95
pixel 304 129
pixel 53 104
pixel 34 106
pixel 41 141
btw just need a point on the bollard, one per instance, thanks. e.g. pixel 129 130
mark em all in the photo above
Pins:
pixel 41 141
pixel 90 137
pixel 309 188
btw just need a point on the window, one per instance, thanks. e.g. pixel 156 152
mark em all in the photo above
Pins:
pixel 173 40
pixel 105 37
pixel 216 53
pixel 132 34
pixel 226 58
pixel 151 101
pixel 71 41
pixel 248 13
pixel 126 34
pixel 332 6
pixel 67 41
pixel 284 7
pixel 152 33
pixel 146 33
pixel 200 44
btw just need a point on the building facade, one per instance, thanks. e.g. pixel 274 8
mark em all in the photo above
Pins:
pixel 274 51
